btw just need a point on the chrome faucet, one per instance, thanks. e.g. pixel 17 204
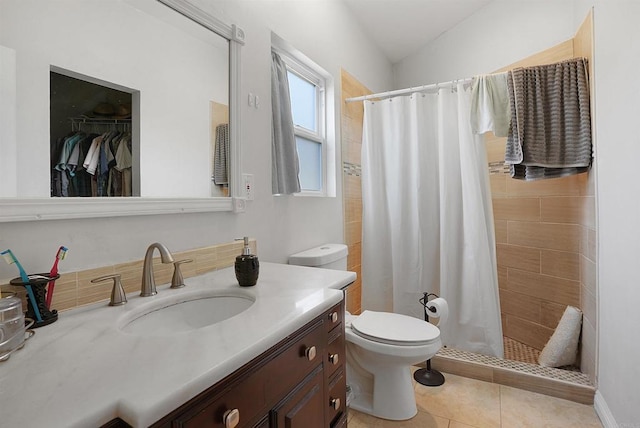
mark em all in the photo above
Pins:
pixel 148 281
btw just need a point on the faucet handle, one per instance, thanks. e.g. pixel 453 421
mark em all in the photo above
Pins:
pixel 178 281
pixel 118 296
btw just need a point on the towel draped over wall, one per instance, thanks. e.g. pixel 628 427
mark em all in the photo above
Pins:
pixel 550 130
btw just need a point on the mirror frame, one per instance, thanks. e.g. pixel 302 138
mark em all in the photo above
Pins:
pixel 30 209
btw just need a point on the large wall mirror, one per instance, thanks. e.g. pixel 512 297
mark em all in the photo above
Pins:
pixel 151 86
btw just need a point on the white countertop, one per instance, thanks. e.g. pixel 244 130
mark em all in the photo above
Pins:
pixel 83 371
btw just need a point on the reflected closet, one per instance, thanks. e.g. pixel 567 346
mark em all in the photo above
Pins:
pixel 92 153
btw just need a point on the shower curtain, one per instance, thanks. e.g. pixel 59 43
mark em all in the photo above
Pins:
pixel 427 216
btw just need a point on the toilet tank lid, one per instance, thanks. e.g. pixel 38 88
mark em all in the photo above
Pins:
pixel 319 256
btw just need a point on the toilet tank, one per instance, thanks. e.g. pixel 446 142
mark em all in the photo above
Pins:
pixel 327 256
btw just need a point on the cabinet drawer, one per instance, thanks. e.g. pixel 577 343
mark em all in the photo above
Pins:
pixel 335 316
pixel 337 401
pixel 246 397
pixel 335 351
pixel 296 361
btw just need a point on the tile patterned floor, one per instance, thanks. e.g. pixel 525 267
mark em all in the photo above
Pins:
pixel 470 403
pixel 534 369
pixel 517 351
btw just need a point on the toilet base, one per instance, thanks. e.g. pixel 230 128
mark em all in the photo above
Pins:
pixel 363 403
pixel 392 398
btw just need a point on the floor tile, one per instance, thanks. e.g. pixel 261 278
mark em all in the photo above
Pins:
pixel 421 420
pixel 468 403
pixel 460 399
pixel 523 409
pixel 456 424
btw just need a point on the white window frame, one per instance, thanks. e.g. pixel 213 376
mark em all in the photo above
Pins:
pixel 306 69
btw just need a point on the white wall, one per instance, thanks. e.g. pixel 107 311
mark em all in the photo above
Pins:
pixel 506 31
pixel 326 32
pixel 617 103
pixel 8 108
pixel 499 34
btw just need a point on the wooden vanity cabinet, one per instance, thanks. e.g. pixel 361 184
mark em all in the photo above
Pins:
pixel 300 382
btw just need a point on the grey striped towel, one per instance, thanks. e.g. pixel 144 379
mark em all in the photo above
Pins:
pixel 550 130
pixel 221 155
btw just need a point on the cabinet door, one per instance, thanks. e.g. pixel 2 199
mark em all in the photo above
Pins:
pixel 304 407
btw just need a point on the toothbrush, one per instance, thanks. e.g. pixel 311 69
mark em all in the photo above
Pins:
pixel 62 252
pixel 11 259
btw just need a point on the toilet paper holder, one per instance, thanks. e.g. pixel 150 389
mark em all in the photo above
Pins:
pixel 428 376
pixel 424 300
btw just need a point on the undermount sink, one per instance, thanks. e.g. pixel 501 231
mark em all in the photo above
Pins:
pixel 185 315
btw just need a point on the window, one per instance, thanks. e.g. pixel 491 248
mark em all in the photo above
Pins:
pixel 311 105
pixel 307 108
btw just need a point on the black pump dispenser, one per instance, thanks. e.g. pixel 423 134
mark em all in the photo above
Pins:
pixel 247 266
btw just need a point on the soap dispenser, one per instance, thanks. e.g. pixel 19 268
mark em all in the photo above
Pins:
pixel 247 266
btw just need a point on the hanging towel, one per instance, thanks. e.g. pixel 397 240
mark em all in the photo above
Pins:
pixel 550 131
pixel 490 109
pixel 221 155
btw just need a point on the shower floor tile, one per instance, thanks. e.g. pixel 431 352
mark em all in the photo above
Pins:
pixel 517 351
pixel 470 403
pixel 533 369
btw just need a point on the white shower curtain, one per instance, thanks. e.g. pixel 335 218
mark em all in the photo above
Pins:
pixel 427 216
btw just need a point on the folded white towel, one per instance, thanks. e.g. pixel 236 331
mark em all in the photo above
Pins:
pixel 490 108
pixel 562 347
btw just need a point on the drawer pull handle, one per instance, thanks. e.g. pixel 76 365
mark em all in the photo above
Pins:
pixel 335 403
pixel 310 353
pixel 333 316
pixel 334 359
pixel 231 418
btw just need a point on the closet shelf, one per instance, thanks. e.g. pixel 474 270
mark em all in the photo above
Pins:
pixel 98 120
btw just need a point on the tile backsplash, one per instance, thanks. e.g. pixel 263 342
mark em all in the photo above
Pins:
pixel 75 289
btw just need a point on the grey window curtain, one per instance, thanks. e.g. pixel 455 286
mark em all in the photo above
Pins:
pixel 284 153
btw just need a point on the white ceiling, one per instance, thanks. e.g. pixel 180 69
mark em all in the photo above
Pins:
pixel 402 27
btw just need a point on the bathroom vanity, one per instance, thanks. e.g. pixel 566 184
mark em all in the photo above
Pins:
pixel 278 363
pixel 300 382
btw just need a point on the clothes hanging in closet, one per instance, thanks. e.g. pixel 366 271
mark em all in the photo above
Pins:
pixel 89 164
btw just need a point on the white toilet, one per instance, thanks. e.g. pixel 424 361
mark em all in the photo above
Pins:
pixel 381 348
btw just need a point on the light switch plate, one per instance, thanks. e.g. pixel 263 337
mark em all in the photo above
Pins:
pixel 239 205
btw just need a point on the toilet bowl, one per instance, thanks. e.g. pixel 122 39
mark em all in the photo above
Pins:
pixel 381 347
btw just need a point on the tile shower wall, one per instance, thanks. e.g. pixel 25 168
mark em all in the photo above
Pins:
pixel 538 251
pixel 546 238
pixel 75 289
pixel 351 130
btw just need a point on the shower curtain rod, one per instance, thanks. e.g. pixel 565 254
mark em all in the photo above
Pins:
pixel 408 90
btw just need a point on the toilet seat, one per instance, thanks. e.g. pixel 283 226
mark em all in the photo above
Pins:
pixel 394 329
